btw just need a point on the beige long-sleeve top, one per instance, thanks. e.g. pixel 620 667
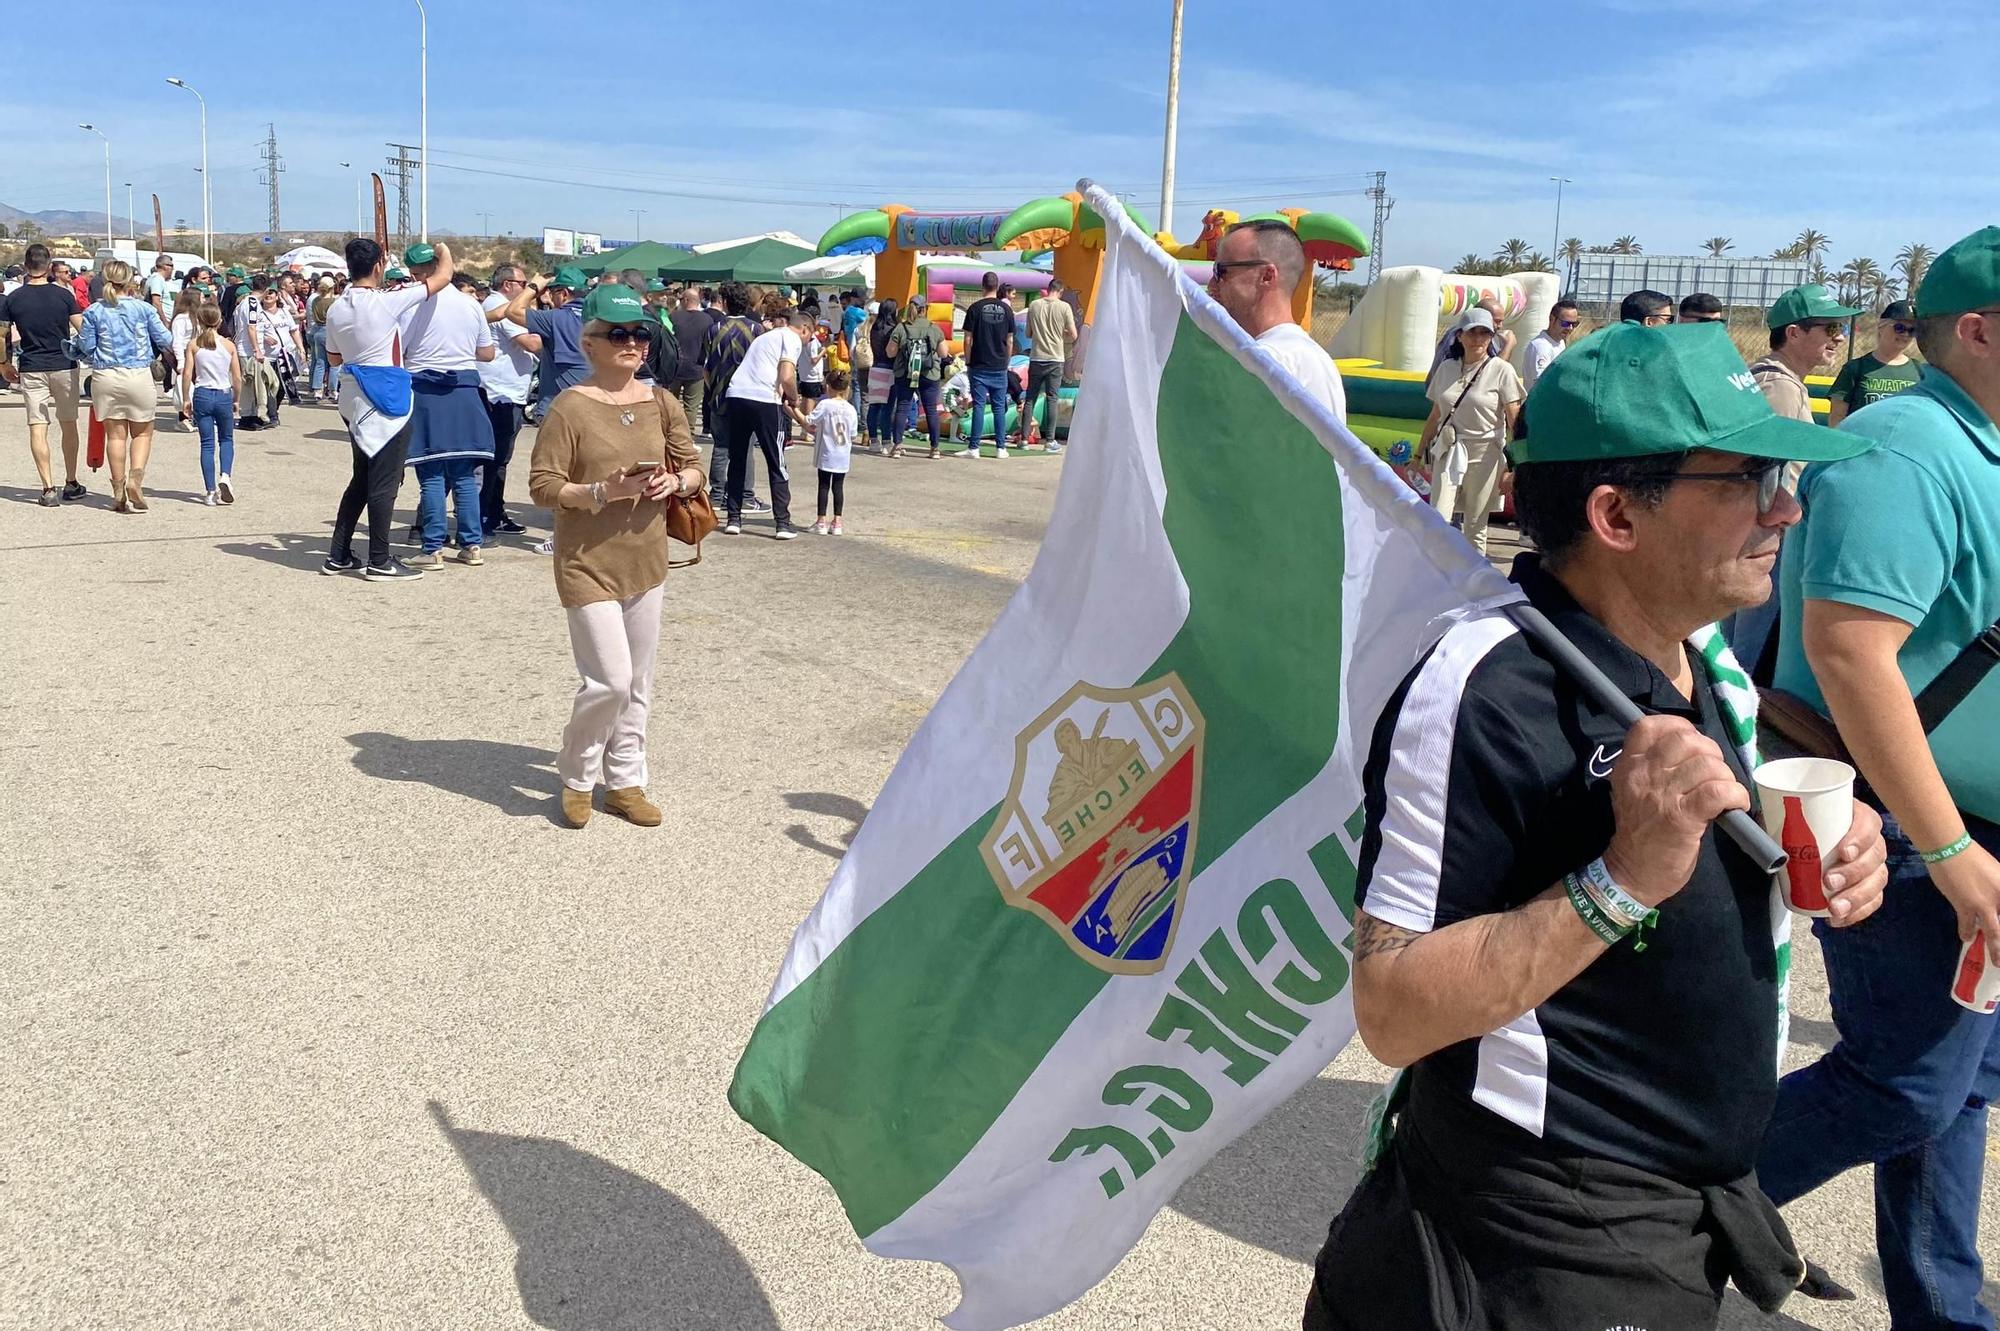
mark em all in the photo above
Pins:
pixel 619 551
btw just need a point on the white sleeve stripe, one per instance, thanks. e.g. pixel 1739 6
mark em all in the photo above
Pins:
pixel 1513 1079
pixel 1416 780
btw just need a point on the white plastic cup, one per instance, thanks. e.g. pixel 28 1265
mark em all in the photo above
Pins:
pixel 1807 805
pixel 1976 982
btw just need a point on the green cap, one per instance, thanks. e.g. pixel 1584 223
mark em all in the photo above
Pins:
pixel 1965 277
pixel 235 270
pixel 1803 303
pixel 1629 391
pixel 655 284
pixel 615 303
pixel 421 252
pixel 569 275
pixel 395 275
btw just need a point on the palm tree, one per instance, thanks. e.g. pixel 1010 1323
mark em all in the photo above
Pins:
pixel 1513 253
pixel 1571 251
pixel 1627 245
pixel 1809 244
pixel 1469 264
pixel 1856 277
pixel 1535 262
pixel 1911 261
pixel 1715 245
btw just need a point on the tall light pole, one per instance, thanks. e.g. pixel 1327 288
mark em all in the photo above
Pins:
pixel 349 166
pixel 131 227
pixel 1555 249
pixel 107 181
pixel 1173 124
pixel 424 121
pixel 207 225
pixel 637 213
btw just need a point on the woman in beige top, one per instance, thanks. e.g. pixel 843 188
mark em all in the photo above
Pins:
pixel 1475 396
pixel 610 452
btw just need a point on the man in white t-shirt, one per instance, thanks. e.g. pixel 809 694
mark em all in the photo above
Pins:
pixel 364 337
pixel 763 386
pixel 445 341
pixel 1257 267
pixel 505 381
pixel 1548 344
pixel 161 288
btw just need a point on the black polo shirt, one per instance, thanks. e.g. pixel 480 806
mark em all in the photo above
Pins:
pixel 1486 782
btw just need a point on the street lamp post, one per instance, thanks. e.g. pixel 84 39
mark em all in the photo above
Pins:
pixel 423 121
pixel 1555 249
pixel 107 181
pixel 131 227
pixel 207 225
pixel 348 166
pixel 1173 124
pixel 637 213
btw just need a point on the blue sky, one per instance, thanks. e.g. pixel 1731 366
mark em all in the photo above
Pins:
pixel 1677 119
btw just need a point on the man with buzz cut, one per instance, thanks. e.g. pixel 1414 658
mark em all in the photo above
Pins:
pixel 1578 971
pixel 1258 264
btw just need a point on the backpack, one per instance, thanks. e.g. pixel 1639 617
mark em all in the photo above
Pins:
pixel 663 357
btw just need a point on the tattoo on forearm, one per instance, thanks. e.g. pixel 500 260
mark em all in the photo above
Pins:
pixel 1372 935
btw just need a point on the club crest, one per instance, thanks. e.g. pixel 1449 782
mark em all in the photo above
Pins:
pixel 1097 834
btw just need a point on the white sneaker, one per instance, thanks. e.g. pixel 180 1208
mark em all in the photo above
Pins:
pixel 224 490
pixel 210 499
pixel 819 528
pixel 970 454
pixel 1000 454
pixel 733 529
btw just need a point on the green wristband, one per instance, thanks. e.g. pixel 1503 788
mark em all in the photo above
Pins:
pixel 1600 924
pixel 1942 853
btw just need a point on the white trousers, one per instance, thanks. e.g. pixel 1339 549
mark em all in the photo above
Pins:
pixel 1478 491
pixel 615 644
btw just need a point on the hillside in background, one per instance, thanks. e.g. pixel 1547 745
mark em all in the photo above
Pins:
pixel 61 221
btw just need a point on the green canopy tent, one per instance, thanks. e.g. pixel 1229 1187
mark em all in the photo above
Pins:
pixel 761 261
pixel 648 256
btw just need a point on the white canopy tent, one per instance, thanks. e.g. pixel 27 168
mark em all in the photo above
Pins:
pixel 312 258
pixel 788 237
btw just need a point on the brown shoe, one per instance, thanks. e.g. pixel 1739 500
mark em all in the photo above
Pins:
pixel 133 494
pixel 632 805
pixel 576 806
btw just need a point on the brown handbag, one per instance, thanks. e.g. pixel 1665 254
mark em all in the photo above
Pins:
pixel 690 518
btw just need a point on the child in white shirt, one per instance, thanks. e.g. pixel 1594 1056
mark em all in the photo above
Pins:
pixel 832 425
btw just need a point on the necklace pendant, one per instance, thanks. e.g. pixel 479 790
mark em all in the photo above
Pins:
pixel 625 418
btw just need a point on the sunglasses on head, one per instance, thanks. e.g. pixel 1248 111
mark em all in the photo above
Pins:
pixel 621 334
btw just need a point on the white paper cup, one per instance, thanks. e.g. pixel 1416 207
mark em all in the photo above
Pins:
pixel 1976 983
pixel 1807 805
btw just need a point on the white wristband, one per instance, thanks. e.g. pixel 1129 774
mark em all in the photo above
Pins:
pixel 1616 901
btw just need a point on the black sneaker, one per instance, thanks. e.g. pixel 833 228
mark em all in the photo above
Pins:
pixel 393 571
pixel 48 499
pixel 752 504
pixel 786 533
pixel 509 527
pixel 335 567
pixel 73 490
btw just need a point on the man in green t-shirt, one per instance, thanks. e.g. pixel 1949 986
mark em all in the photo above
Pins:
pixel 1883 372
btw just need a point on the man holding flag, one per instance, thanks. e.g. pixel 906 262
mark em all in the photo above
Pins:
pixel 1583 980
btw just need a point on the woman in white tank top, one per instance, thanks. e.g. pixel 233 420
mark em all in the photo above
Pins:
pixel 215 372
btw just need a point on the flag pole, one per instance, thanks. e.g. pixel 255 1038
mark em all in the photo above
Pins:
pixel 1744 830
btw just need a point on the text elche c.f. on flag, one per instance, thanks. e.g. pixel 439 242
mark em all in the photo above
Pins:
pixel 1096 925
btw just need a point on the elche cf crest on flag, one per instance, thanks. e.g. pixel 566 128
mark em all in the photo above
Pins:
pixel 1097 835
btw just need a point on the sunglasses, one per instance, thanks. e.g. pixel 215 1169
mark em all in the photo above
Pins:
pixel 1222 266
pixel 1831 327
pixel 1768 479
pixel 624 334
pixel 1568 323
pixel 1902 328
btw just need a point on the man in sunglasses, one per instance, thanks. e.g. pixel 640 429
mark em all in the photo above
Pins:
pixel 1258 265
pixel 1892 598
pixel 1703 307
pixel 1883 372
pixel 1548 344
pixel 1807 325
pixel 1578 970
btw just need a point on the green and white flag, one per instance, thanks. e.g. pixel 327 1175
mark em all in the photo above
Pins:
pixel 1097 923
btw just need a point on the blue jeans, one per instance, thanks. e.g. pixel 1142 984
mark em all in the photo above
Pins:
pixel 215 417
pixel 988 386
pixel 322 375
pixel 1904 1089
pixel 903 410
pixel 461 475
pixel 878 421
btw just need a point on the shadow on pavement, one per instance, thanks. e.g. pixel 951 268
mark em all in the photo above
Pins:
pixel 1278 1186
pixel 1821 1035
pixel 600 1247
pixel 516 779
pixel 291 550
pixel 831 806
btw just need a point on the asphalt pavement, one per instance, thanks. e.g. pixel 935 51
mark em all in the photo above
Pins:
pixel 315 1016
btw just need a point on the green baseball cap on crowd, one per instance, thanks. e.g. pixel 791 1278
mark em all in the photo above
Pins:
pixel 1806 302
pixel 421 252
pixel 1964 278
pixel 1630 391
pixel 615 303
pixel 569 275
pixel 235 270
pixel 654 284
pixel 395 275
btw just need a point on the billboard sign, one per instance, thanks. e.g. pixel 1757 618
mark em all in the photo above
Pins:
pixel 588 242
pixel 558 244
